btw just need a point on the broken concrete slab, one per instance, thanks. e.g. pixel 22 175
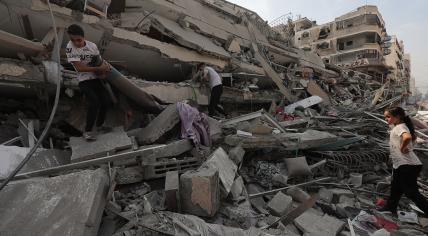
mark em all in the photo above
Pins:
pixel 305 103
pixel 70 205
pixel 226 168
pixel 290 141
pixel 314 89
pixel 238 188
pixel 10 157
pixel 258 203
pixel 280 204
pixel 236 154
pixel 200 192
pixel 163 123
pixel 172 190
pixel 47 158
pixel 108 143
pixel 313 223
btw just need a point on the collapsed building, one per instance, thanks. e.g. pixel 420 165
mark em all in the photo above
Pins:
pixel 295 118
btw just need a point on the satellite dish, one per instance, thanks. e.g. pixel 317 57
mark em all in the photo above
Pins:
pixel 386 51
pixel 386 39
pixel 386 45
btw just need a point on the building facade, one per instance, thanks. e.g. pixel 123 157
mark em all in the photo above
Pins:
pixel 356 40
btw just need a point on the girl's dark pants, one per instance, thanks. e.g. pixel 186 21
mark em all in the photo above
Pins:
pixel 404 181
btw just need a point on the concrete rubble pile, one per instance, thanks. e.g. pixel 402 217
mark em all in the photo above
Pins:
pixel 294 156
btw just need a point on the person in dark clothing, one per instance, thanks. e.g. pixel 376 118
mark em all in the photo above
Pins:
pixel 81 53
pixel 406 165
pixel 216 86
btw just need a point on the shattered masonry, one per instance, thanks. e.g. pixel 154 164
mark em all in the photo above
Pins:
pixel 303 149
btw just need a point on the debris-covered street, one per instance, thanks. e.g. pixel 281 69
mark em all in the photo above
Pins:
pixel 197 117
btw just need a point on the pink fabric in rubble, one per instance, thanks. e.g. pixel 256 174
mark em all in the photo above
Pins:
pixel 194 125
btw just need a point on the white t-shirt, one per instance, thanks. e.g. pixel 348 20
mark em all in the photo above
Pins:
pixel 84 55
pixel 213 76
pixel 398 158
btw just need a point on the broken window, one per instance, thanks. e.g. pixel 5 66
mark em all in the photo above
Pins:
pixel 324 32
pixel 305 34
pixel 349 43
pixel 324 45
pixel 341 46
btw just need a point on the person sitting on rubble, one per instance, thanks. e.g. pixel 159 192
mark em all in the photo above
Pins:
pixel 209 75
pixel 406 165
pixel 81 53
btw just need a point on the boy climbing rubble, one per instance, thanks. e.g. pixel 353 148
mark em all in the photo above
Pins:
pixel 81 54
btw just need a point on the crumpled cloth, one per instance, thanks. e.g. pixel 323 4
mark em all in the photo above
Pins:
pixel 194 125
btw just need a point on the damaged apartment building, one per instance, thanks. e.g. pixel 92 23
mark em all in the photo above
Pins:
pixel 301 151
pixel 357 40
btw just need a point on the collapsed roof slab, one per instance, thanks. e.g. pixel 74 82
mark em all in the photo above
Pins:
pixel 188 37
pixel 143 54
pixel 208 21
pixel 160 60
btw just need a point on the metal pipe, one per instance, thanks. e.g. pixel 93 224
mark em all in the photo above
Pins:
pixel 288 187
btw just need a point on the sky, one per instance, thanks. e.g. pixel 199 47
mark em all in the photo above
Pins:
pixel 408 20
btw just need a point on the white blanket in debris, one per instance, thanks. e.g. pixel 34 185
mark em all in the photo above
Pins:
pixel 189 225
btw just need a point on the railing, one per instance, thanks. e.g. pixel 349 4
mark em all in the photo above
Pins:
pixel 364 46
pixel 358 29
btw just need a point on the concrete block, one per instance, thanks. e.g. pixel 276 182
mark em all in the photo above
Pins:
pixel 129 175
pixel 69 205
pixel 172 190
pixel 258 203
pixel 106 143
pixel 236 154
pixel 215 127
pixel 346 200
pixel 237 188
pixel 200 192
pixel 338 192
pixel 280 204
pixel 326 195
pixel 163 123
pixel 313 223
pixel 297 194
pixel 279 180
pixel 227 169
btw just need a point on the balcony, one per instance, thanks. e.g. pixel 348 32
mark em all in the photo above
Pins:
pixel 358 29
pixel 358 58
pixel 373 46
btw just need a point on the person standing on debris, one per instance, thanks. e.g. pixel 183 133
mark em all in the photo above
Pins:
pixel 214 79
pixel 406 165
pixel 81 53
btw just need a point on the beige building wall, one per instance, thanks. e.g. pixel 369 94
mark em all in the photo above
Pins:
pixel 353 40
